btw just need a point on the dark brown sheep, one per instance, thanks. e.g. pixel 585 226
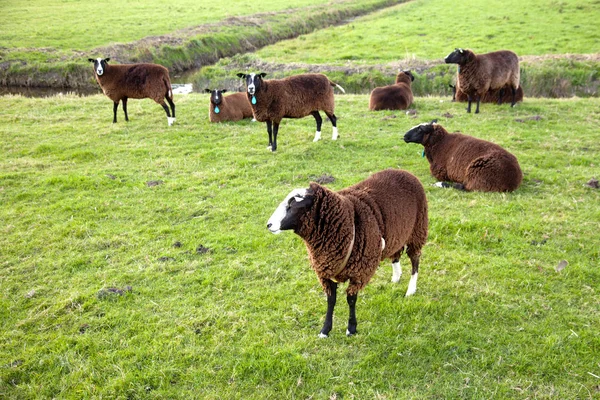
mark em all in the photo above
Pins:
pixel 473 163
pixel 134 81
pixel 480 73
pixel 491 96
pixel 228 108
pixel 348 233
pixel 292 97
pixel 398 96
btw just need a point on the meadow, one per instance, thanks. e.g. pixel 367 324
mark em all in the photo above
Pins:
pixel 136 262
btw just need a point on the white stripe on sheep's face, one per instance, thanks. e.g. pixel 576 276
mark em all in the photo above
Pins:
pixel 420 133
pixel 287 214
pixel 253 82
pixel 99 65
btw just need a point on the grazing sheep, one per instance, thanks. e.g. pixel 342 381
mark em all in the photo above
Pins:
pixel 479 73
pixel 228 108
pixel 491 96
pixel 348 233
pixel 473 163
pixel 135 81
pixel 398 96
pixel 292 97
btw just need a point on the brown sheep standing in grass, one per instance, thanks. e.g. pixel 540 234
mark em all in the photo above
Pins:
pixel 292 97
pixel 480 73
pixel 234 107
pixel 135 81
pixel 474 164
pixel 398 96
pixel 348 233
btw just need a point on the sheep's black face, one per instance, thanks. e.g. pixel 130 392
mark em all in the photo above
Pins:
pixel 420 133
pixel 253 82
pixel 216 96
pixel 409 73
pixel 287 215
pixel 458 56
pixel 99 65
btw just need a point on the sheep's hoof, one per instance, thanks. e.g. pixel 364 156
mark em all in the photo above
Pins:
pixel 396 279
pixel 348 333
pixel 323 335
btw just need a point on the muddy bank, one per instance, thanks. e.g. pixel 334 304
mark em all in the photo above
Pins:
pixel 189 48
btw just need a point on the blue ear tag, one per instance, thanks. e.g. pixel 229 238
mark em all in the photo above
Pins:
pixel 253 99
pixel 217 109
pixel 423 153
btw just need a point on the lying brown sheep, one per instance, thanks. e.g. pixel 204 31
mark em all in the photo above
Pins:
pixel 473 163
pixel 348 233
pixel 135 81
pixel 480 73
pixel 228 108
pixel 292 97
pixel 398 96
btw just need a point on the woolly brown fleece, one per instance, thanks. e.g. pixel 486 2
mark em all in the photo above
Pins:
pixel 136 81
pixel 475 163
pixel 293 97
pixel 491 96
pixel 490 71
pixel 390 204
pixel 398 96
pixel 233 107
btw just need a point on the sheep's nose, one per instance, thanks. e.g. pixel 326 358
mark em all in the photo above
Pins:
pixel 269 225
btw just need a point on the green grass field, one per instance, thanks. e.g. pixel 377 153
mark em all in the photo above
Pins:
pixel 491 317
pixel 430 30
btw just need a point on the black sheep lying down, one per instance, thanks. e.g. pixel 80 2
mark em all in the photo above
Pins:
pixel 348 233
pixel 474 164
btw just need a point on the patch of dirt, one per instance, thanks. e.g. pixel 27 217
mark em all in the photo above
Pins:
pixel 202 250
pixel 593 183
pixel 154 183
pixel 323 179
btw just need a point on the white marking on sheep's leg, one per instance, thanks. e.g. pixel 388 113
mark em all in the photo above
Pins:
pixel 412 285
pixel 382 244
pixel 317 136
pixel 170 120
pixel 322 335
pixel 396 272
pixel 335 133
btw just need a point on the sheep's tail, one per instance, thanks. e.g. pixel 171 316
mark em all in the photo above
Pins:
pixel 167 83
pixel 338 86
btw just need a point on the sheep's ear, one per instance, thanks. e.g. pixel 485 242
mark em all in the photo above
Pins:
pixel 207 90
pixel 434 121
pixel 107 59
pixel 224 90
pixel 262 74
pixel 241 75
pixel 91 60
pixel 452 86
pixel 303 201
pixel 460 51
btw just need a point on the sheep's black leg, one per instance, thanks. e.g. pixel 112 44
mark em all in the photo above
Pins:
pixel 500 95
pixel 115 106
pixel 352 319
pixel 270 132
pixel 275 130
pixel 514 97
pixel 331 298
pixel 171 104
pixel 469 99
pixel 164 106
pixel 477 109
pixel 333 120
pixel 125 108
pixel 318 119
pixel 414 256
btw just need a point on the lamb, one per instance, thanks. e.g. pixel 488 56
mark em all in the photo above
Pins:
pixel 292 97
pixel 348 233
pixel 472 163
pixel 136 81
pixel 491 96
pixel 479 73
pixel 229 108
pixel 398 96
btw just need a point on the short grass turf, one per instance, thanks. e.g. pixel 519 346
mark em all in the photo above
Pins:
pixel 431 29
pixel 135 261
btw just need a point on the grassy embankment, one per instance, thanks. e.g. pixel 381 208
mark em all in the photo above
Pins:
pixel 221 308
pixel 559 42
pixel 180 36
